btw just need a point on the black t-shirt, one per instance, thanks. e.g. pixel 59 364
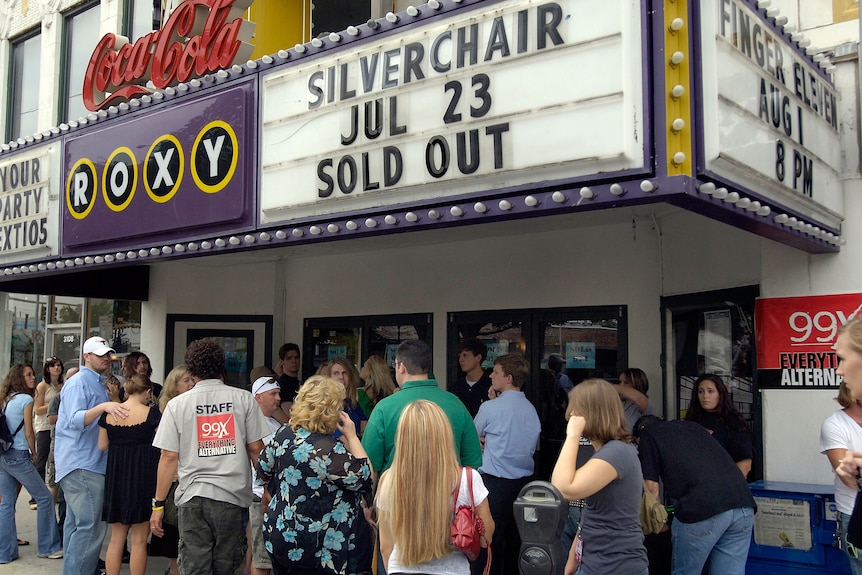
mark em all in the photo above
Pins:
pixel 289 387
pixel 730 433
pixel 472 397
pixel 699 476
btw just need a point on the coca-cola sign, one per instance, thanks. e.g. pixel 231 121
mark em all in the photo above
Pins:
pixel 199 36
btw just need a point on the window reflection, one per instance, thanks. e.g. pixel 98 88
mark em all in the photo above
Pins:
pixel 25 315
pixel 81 28
pixel 24 102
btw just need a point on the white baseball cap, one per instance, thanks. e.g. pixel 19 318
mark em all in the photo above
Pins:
pixel 97 345
pixel 264 384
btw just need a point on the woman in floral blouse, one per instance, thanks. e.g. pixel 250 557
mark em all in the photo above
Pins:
pixel 314 520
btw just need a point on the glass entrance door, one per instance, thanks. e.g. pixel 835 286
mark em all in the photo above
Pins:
pixel 713 333
pixel 356 338
pixel 65 344
pixel 564 347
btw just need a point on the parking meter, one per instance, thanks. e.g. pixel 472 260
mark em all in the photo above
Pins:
pixel 540 514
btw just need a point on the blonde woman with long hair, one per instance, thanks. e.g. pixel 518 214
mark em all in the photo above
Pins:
pixel 378 383
pixel 610 538
pixel 414 499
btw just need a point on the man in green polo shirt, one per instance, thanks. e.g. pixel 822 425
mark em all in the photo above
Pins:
pixel 412 364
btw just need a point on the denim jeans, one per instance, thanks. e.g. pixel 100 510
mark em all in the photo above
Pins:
pixel 722 539
pixel 17 467
pixel 855 562
pixel 570 529
pixel 84 529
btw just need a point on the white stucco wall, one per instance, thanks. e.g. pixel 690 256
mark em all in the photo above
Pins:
pixel 506 266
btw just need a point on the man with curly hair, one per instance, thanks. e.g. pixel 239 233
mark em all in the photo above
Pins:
pixel 207 436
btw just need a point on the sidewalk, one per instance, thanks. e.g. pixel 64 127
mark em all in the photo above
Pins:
pixel 27 561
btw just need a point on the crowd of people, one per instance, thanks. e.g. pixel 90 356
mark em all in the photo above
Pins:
pixel 353 471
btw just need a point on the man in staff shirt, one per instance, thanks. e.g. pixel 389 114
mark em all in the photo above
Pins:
pixel 208 435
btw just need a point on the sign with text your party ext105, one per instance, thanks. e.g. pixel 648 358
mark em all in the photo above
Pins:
pixel 770 116
pixel 29 208
pixel 505 94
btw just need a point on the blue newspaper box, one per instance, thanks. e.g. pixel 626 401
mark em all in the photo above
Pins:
pixel 795 531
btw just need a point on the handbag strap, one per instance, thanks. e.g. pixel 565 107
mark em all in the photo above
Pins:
pixel 455 497
pixel 469 471
pixel 470 488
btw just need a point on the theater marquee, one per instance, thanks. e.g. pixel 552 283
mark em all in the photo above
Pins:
pixel 508 94
pixel 770 116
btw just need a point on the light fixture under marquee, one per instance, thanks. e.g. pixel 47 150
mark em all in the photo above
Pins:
pixel 648 187
pixel 707 188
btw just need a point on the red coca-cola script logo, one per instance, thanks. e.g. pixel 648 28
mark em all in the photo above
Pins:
pixel 200 36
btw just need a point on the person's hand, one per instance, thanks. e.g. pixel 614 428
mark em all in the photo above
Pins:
pixel 370 513
pixel 571 562
pixel 575 427
pixel 113 391
pixel 346 426
pixel 849 467
pixel 492 393
pixel 118 410
pixel 156 522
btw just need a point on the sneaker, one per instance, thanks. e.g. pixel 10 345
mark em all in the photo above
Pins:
pixel 55 555
pixel 33 505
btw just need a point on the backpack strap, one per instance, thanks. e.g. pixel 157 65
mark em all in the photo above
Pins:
pixel 17 429
pixel 20 425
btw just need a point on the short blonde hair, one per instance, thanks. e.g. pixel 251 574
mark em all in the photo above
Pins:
pixel 853 330
pixel 845 399
pixel 169 389
pixel 318 405
pixel 598 402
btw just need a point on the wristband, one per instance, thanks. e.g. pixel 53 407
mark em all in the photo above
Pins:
pixel 162 508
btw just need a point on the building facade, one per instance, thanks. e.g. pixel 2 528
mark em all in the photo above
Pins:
pixel 617 182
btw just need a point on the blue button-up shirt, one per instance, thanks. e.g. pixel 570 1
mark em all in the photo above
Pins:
pixel 511 429
pixel 76 446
